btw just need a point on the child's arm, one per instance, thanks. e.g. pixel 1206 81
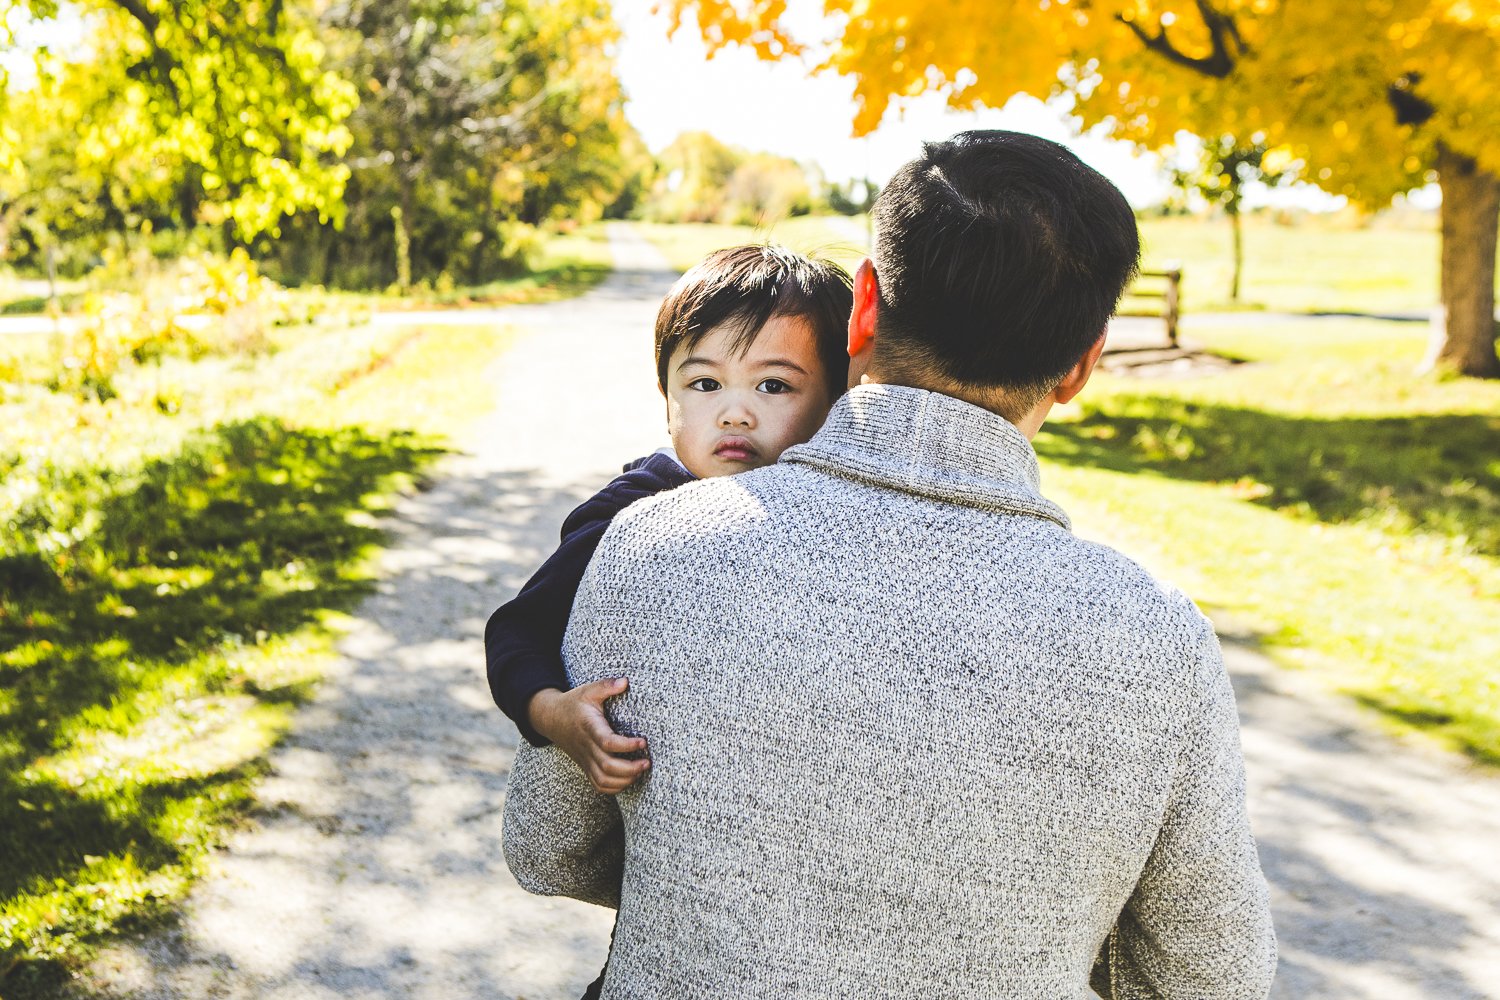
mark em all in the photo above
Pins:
pixel 526 674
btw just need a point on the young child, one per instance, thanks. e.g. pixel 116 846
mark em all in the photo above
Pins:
pixel 751 351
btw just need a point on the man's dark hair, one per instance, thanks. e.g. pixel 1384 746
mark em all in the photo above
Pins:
pixel 1000 258
pixel 745 287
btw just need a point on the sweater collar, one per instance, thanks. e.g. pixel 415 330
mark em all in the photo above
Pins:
pixel 930 445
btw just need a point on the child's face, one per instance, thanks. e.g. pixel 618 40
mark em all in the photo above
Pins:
pixel 729 412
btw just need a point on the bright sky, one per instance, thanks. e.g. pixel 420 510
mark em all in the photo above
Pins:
pixel 779 108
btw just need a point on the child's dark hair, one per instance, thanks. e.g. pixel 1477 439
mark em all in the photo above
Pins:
pixel 749 285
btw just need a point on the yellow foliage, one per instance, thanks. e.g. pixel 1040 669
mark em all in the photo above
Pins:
pixel 1312 80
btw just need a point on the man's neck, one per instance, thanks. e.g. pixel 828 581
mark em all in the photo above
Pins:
pixel 997 401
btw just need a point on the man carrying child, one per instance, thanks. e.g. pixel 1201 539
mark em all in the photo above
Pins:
pixel 908 735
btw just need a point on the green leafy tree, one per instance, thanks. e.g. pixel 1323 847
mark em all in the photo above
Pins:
pixel 855 196
pixel 692 176
pixel 700 179
pixel 478 122
pixel 1224 166
pixel 59 196
pixel 765 189
pixel 231 102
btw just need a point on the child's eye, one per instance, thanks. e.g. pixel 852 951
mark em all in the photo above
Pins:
pixel 774 386
pixel 704 384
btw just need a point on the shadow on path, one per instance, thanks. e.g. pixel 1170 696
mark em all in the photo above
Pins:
pixel 375 869
pixel 1378 854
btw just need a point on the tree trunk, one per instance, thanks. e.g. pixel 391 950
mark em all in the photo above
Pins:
pixel 403 250
pixel 401 215
pixel 1239 256
pixel 1463 330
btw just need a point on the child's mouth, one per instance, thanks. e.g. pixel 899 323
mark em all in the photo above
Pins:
pixel 735 450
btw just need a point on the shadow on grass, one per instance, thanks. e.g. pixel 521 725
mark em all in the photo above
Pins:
pixel 115 589
pixel 410 759
pixel 32 305
pixel 1432 474
pixel 1435 474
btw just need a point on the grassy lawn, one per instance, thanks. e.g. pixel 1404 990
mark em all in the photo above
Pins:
pixel 838 238
pixel 1322 498
pixel 176 556
pixel 1320 264
pixel 29 295
pixel 568 264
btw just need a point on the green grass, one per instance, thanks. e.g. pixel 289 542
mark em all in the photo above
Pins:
pixel 838 238
pixel 174 565
pixel 568 264
pixel 150 656
pixel 32 305
pixel 1322 497
pixel 1312 264
pixel 29 295
pixel 1316 264
pixel 176 557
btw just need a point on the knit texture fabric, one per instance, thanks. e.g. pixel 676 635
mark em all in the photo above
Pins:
pixel 910 737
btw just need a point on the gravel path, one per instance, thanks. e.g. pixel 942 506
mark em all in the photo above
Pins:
pixel 375 869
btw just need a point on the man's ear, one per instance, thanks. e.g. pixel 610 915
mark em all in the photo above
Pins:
pixel 1078 376
pixel 862 317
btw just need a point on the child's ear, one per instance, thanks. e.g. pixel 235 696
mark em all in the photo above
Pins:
pixel 862 316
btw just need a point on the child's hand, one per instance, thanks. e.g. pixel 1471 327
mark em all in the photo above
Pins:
pixel 575 721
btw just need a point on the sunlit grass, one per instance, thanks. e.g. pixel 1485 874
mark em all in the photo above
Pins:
pixel 147 616
pixel 1316 263
pixel 173 563
pixel 29 294
pixel 1322 497
pixel 568 264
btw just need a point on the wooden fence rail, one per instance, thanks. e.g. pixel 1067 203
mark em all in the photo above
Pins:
pixel 1168 294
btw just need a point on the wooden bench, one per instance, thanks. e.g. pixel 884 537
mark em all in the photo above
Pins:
pixel 1163 290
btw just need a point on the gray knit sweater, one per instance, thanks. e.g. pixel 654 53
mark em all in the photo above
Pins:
pixel 909 737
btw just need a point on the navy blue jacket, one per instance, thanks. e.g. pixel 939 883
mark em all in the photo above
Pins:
pixel 523 640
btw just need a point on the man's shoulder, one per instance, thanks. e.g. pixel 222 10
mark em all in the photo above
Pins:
pixel 701 506
pixel 642 478
pixel 1124 591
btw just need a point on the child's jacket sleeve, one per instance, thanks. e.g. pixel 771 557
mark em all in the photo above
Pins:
pixel 523 640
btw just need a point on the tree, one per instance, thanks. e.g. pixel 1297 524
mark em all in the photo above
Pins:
pixel 478 121
pixel 700 179
pixel 765 188
pixel 692 177
pixel 1224 166
pixel 855 196
pixel 56 196
pixel 232 100
pixel 1374 97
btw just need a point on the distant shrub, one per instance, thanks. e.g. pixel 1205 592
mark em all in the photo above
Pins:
pixel 200 304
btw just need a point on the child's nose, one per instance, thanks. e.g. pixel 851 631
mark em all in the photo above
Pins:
pixel 736 414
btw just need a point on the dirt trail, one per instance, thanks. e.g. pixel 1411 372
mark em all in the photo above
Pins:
pixel 376 871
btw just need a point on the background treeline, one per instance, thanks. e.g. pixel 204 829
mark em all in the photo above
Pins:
pixel 444 139
pixel 700 179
